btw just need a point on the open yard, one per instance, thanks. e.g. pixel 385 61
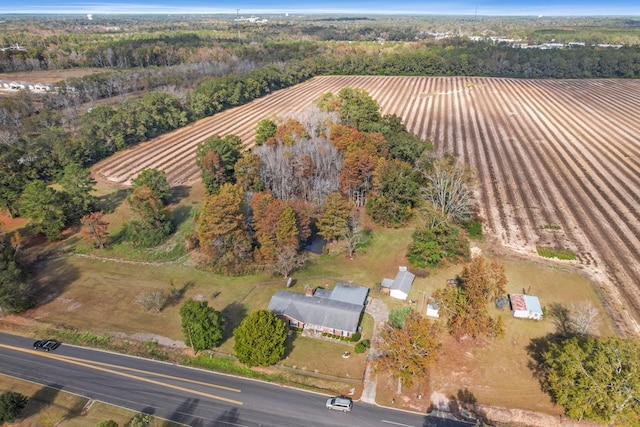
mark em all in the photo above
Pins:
pixel 558 161
pixel 99 296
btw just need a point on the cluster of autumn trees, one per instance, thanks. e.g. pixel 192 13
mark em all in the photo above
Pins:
pixel 325 166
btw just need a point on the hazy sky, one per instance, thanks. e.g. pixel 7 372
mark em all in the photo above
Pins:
pixel 405 7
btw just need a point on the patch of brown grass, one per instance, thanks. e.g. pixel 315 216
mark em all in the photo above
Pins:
pixel 495 371
pixel 48 407
pixel 49 76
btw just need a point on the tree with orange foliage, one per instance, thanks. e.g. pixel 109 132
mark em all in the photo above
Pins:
pixel 289 132
pixel 408 352
pixel 279 228
pixel 465 306
pixel 94 229
pixel 222 231
pixel 356 179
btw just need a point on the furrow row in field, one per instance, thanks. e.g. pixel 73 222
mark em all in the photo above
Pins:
pixel 475 157
pixel 517 165
pixel 599 94
pixel 527 166
pixel 556 183
pixel 611 195
pixel 516 222
pixel 602 142
pixel 482 160
pixel 591 213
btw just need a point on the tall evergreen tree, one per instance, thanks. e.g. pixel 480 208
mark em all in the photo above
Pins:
pixel 334 216
pixel 260 339
pixel 202 325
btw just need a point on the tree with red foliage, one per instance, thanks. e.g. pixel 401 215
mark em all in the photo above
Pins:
pixel 222 231
pixel 94 229
pixel 465 306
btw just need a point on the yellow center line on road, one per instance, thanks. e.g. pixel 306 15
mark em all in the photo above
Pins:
pixel 155 374
pixel 78 362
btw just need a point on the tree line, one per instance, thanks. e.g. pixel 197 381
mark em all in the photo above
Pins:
pixel 463 57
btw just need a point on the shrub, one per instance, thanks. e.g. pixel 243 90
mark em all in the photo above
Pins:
pixel 108 423
pixel 548 252
pixel 359 348
pixel 11 404
pixel 142 236
pixel 356 337
pixel 140 420
pixel 474 229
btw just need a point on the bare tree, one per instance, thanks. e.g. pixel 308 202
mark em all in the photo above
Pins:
pixel 153 300
pixel 354 234
pixel 449 188
pixel 287 260
pixel 316 121
pixel 308 169
pixel 584 319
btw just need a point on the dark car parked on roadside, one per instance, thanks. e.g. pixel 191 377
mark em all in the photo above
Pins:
pixel 46 345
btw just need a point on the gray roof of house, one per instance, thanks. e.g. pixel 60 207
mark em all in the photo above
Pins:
pixel 386 283
pixel 403 281
pixel 349 293
pixel 321 310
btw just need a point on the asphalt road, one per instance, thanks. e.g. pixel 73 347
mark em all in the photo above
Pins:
pixel 190 396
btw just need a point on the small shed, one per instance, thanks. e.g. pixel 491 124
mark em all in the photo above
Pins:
pixel 400 286
pixel 433 308
pixel 525 306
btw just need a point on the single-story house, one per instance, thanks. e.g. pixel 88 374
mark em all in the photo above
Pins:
pixel 525 306
pixel 337 311
pixel 400 286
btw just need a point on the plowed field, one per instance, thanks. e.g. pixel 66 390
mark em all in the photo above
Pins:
pixel 558 161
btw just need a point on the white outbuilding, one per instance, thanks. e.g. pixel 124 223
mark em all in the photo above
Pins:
pixel 525 306
pixel 400 286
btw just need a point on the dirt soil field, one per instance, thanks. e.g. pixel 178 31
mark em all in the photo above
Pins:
pixel 48 76
pixel 558 161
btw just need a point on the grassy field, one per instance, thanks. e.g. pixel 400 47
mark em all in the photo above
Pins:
pixel 51 407
pixel 97 292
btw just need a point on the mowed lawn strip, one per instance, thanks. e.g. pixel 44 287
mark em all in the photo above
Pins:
pixel 48 406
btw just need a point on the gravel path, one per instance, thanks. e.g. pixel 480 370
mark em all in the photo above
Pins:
pixel 378 310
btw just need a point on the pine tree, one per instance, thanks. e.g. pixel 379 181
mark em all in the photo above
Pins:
pixel 260 339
